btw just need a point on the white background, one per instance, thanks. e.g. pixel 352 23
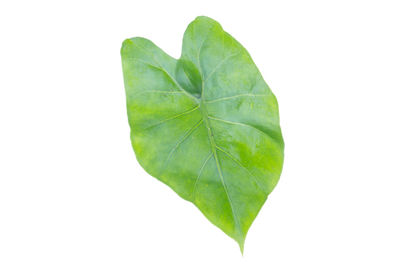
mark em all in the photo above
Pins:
pixel 73 194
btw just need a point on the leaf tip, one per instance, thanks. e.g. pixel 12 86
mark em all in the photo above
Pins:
pixel 241 245
pixel 240 242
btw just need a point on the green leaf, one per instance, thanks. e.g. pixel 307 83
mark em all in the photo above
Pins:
pixel 207 125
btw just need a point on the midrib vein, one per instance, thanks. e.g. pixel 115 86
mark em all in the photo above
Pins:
pixel 214 152
pixel 206 121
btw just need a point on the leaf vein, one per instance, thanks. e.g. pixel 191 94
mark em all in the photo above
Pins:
pixel 171 118
pixel 220 64
pixel 160 67
pixel 157 91
pixel 213 148
pixel 200 173
pixel 235 96
pixel 241 165
pixel 241 124
pixel 183 138
pixel 201 48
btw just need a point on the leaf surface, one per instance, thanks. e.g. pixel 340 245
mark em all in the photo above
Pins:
pixel 207 125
